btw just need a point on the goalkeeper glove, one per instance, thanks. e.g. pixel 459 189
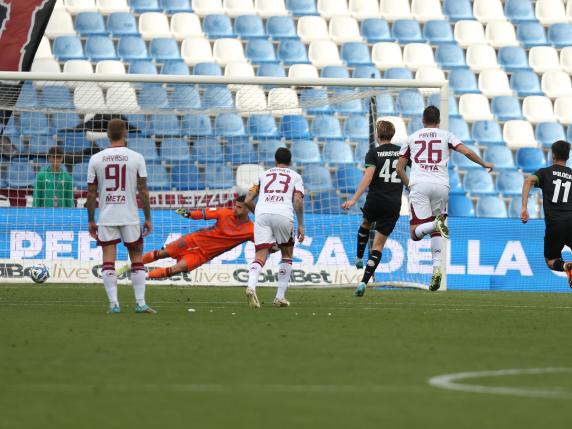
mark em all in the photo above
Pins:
pixel 183 212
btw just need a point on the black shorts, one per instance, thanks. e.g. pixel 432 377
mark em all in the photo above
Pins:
pixel 385 218
pixel 556 236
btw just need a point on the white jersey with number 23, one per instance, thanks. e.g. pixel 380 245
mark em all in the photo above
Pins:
pixel 276 192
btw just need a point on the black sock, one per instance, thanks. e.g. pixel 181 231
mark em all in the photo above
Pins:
pixel 372 263
pixel 362 239
pixel 558 265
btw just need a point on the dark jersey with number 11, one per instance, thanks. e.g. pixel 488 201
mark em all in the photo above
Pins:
pixel 556 183
pixel 386 187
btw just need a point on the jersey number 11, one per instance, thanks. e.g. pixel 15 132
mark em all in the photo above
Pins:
pixel 557 185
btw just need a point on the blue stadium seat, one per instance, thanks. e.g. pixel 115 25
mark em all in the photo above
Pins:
pixel 164 49
pixel 157 177
pixel 40 144
pixel 486 132
pixel 478 182
pixel 34 124
pixel 57 97
pixel 491 206
pixel 217 97
pixel 434 100
pixel 142 67
pixel 460 205
pixel 249 27
pixel 397 73
pixel 509 182
pixel 327 203
pixel 100 48
pixel 175 68
pixel 375 30
pixel 292 52
pixel 450 56
pixel 67 48
pixel 415 123
pixel 547 133
pixel 217 26
pixel 356 127
pixel 219 176
pixel 560 35
pixel 519 11
pixel 500 156
pixel 281 27
pixel 260 51
pixel 362 148
pixel 139 121
pixel 20 174
pixel 531 34
pixel 515 207
pixel 176 6
pixel 62 121
pixel 145 147
pixel 79 175
pixel 152 98
pixel 407 31
pixel 568 133
pixel 165 125
pixel 185 176
pixel 28 97
pixel 206 150
pixel 140 6
pixel 458 10
pixel 271 70
pixel 228 124
pixel 461 161
pixel 460 128
pixel 513 58
pixel 262 126
pixel 317 179
pixel 338 72
pixel 385 105
pixel 294 127
pixel 90 24
pixel 207 69
pixel 366 72
pixel 350 105
pixel 184 97
pixel 506 108
pixel 302 7
pixel 306 152
pixel 347 178
pixel 438 31
pixel 315 101
pixel 525 82
pixel 122 24
pixel 463 81
pixel 175 150
pixel 267 149
pixel 355 54
pixel 410 102
pixel 240 151
pixel 132 48
pixel 197 125
pixel 455 183
pixel 326 127
pixel 337 152
pixel 530 159
pixel 75 142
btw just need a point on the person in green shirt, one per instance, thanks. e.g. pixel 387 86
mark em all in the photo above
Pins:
pixel 53 186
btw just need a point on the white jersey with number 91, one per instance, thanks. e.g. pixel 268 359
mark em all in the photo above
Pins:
pixel 276 188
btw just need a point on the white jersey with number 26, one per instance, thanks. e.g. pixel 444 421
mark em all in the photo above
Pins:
pixel 276 192
pixel 429 151
pixel 115 171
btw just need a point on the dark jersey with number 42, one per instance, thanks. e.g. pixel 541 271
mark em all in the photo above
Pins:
pixel 386 186
pixel 556 183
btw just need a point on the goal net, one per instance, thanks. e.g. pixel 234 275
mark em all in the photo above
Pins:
pixel 205 141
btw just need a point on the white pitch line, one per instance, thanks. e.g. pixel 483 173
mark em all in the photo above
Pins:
pixel 452 382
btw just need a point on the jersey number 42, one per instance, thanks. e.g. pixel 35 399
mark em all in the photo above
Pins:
pixel 388 171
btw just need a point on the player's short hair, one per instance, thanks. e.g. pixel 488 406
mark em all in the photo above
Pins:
pixel 55 152
pixel 116 130
pixel 561 150
pixel 385 130
pixel 283 156
pixel 241 199
pixel 431 115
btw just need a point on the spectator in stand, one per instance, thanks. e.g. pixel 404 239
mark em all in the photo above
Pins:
pixel 53 186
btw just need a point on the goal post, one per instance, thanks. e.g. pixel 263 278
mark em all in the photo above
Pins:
pixel 205 140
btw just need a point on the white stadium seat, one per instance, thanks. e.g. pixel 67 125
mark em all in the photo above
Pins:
pixel 324 53
pixel 121 98
pixel 469 33
pixel 392 10
pixel 569 10
pixel 312 28
pixel 46 65
pixel 417 55
pixel 537 108
pixel 518 134
pixel 44 50
pixel 550 11
pixel 59 5
pixel 267 8
pixel 153 25
pixel 501 33
pixel 238 7
pixel 475 107
pixel 488 10
pixel 60 24
pixel 250 99
pixel 566 58
pixel 556 83
pixel 426 10
pixel 543 58
pixel 363 9
pixel 283 101
pixel 227 51
pixel 344 29
pixel 400 135
pixel 493 83
pixel 110 67
pixel 78 67
pixel 239 70
pixel 207 7
pixel 106 7
pixel 307 71
pixel 481 57
pixel 386 55
pixel 563 109
pixel 76 6
pixel 185 25
pixel 331 8
pixel 427 73
pixel 196 50
pixel 246 175
pixel 89 98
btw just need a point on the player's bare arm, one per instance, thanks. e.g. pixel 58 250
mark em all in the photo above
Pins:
pixel 90 204
pixel 362 187
pixel 299 210
pixel 526 186
pixel 401 165
pixel 474 157
pixel 145 205
pixel 250 197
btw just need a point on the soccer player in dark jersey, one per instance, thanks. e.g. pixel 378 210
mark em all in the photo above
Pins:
pixel 383 201
pixel 555 182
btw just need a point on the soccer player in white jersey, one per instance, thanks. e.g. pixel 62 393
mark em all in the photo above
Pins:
pixel 280 193
pixel 428 149
pixel 115 175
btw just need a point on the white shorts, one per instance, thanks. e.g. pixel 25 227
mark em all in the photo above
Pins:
pixel 427 200
pixel 270 229
pixel 129 234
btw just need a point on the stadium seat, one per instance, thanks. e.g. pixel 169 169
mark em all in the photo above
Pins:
pixel 347 178
pixel 410 102
pixel 397 73
pixel 250 99
pixel 292 52
pixel 455 183
pixel 79 175
pixel 335 72
pixel 281 27
pixel 207 69
pixel 494 83
pixel 481 57
pixel 344 29
pixel 556 83
pixel 239 151
pixel 249 27
pixel 375 30
pixel 153 97
pixel 460 128
pixel 60 24
pixel 239 69
pixel 509 182
pixel 463 81
pixel 537 108
pixel 560 35
pixel 76 6
pixel 20 174
pixel 363 9
pixel 475 107
pixel 165 125
pixel 365 72
pixel 393 10
pixel 531 34
pixel 506 108
pixel 311 28
pixel 306 152
pixel 64 121
pixel 39 145
pixel 478 182
pixel 260 51
pixel 501 33
pixel 77 67
pixel 530 159
pixel 547 133
pixel 417 55
pixel 486 133
pixel 361 150
pixel 415 123
pixel 550 11
pixel 563 109
pixel 271 70
pixel 196 50
pixel 355 54
pixel 75 143
pixel 515 208
pixel 425 74
pixel 324 53
pixel 217 27
pixel 175 68
pixel 100 48
pixel 89 98
pixel 326 127
pixel 337 152
pixel 217 97
pixel 525 82
pixel 206 150
pixel 207 7
pixel 407 31
pixel 107 7
pixel 267 149
pixel 246 175
pixel 426 10
pixel 234 8
pixel 109 67
pixel 142 6
pixel 469 33
pixel 269 8
pixel 175 150
pixel 449 56
pixel 458 10
pixel 500 156
pixel 434 100
pixel 386 55
pixel 185 25
pixel 142 67
pixel 228 124
pixel 315 101
pixel 186 176
pixel 317 179
pixel 261 126
pixel 460 206
pixel 28 97
pixel 543 58
pixel 145 147
pixel 68 48
pixel 332 8
pixel 519 11
pixel 347 103
pixel 121 99
pixel 491 207
pixel 45 65
pixel 519 134
pixel 461 161
pixel 153 25
pixel 44 50
pixel 513 58
pixel 122 24
pixel 356 128
pixel 164 49
pixel 294 127
pixel 157 177
pixel 437 32
pixel 56 97
pixel 219 176
pixel 566 59
pixel 327 203
pixel 132 48
pixel 486 11
pixel 385 105
pixel 197 125
pixel 283 101
pixel 90 24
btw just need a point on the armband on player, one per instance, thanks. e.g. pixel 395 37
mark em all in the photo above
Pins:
pixel 255 189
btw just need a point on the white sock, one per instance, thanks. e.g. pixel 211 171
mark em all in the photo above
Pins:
pixel 436 250
pixel 110 283
pixel 284 271
pixel 425 228
pixel 255 268
pixel 138 280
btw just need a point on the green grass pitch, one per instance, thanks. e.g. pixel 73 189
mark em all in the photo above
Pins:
pixel 328 361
